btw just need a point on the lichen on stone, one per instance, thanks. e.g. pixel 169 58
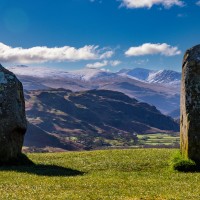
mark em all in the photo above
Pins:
pixel 12 116
pixel 190 105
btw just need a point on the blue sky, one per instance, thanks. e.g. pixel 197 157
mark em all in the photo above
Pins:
pixel 104 34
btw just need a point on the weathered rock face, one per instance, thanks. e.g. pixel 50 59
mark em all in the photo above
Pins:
pixel 190 105
pixel 12 116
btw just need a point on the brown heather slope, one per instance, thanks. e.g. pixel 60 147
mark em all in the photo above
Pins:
pixel 89 119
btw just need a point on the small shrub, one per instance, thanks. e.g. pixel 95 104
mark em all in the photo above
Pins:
pixel 183 165
pixel 145 138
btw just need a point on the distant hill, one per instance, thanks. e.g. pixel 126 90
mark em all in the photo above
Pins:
pixel 175 113
pixel 89 119
pixel 162 90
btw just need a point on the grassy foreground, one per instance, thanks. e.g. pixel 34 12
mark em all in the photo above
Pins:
pixel 110 174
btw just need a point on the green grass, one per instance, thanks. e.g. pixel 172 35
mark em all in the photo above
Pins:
pixel 133 174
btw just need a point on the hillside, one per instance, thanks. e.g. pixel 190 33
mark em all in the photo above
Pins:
pixel 90 119
pixel 112 174
pixel 38 140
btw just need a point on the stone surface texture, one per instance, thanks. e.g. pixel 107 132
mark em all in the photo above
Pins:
pixel 190 105
pixel 13 122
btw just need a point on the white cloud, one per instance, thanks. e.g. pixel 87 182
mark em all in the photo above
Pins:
pixel 150 3
pixel 107 54
pixel 151 49
pixel 104 63
pixel 198 3
pixel 97 64
pixel 114 63
pixel 41 54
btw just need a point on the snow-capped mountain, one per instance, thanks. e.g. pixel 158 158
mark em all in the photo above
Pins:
pixel 85 74
pixel 90 74
pixel 137 73
pixel 164 77
pixel 39 72
pixel 152 76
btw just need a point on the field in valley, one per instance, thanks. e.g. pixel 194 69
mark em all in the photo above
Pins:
pixel 159 139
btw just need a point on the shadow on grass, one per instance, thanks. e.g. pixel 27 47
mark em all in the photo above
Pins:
pixel 25 165
pixel 43 170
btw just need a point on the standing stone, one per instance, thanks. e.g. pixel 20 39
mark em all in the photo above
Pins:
pixel 190 105
pixel 12 116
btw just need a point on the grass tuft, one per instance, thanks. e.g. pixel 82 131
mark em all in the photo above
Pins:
pixel 183 165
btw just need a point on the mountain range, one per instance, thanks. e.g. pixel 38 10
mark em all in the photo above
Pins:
pixel 159 88
pixel 168 77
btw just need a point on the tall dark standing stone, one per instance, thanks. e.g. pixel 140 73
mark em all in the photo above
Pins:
pixel 12 116
pixel 190 105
